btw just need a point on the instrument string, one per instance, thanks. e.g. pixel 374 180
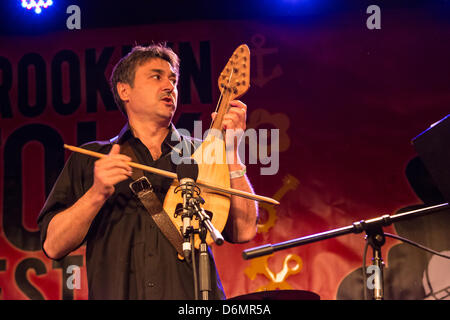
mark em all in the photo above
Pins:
pixel 221 98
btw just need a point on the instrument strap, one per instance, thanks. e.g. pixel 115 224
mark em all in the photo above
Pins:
pixel 143 190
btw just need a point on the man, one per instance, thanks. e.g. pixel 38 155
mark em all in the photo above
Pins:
pixel 128 256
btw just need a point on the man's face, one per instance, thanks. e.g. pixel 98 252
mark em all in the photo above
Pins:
pixel 154 93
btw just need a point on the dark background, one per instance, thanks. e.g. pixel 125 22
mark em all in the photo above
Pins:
pixel 103 13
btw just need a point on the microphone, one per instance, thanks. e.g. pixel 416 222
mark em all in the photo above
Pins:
pixel 187 173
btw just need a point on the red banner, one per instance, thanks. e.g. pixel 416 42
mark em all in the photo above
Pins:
pixel 347 101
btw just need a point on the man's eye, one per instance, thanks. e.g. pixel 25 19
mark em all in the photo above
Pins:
pixel 156 76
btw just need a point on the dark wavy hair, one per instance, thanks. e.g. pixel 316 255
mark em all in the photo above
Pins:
pixel 124 71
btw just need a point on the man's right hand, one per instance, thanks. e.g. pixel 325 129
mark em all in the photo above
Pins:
pixel 69 227
pixel 109 171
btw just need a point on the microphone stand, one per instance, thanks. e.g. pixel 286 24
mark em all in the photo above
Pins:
pixel 374 233
pixel 187 173
pixel 205 226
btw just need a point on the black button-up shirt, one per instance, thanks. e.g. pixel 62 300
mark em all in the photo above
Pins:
pixel 127 256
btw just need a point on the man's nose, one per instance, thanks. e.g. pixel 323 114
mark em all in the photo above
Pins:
pixel 169 85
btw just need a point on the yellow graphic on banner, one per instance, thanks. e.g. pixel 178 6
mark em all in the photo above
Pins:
pixel 262 119
pixel 292 265
pixel 259 51
pixel 289 183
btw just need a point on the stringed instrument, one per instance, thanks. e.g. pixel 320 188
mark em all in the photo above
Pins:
pixel 233 82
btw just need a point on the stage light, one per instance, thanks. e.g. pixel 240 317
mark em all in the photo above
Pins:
pixel 37 5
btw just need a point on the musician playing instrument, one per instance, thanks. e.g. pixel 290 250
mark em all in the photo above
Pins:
pixel 127 255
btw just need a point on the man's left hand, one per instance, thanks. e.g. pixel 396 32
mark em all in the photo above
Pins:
pixel 234 124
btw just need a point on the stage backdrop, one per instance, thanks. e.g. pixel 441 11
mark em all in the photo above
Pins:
pixel 347 101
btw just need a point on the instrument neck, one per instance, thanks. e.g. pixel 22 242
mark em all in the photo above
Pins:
pixel 222 109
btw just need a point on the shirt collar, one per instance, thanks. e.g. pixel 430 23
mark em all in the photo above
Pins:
pixel 172 139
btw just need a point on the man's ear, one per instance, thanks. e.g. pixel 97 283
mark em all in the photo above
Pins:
pixel 123 89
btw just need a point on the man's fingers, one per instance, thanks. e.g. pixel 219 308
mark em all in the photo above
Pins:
pixel 118 171
pixel 232 121
pixel 238 104
pixel 120 157
pixel 115 153
pixel 115 149
pixel 110 165
pixel 113 176
pixel 110 170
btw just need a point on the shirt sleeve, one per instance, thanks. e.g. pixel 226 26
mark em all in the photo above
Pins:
pixel 69 187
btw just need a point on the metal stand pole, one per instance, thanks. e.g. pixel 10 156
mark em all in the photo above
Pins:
pixel 376 239
pixel 205 226
pixel 204 266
